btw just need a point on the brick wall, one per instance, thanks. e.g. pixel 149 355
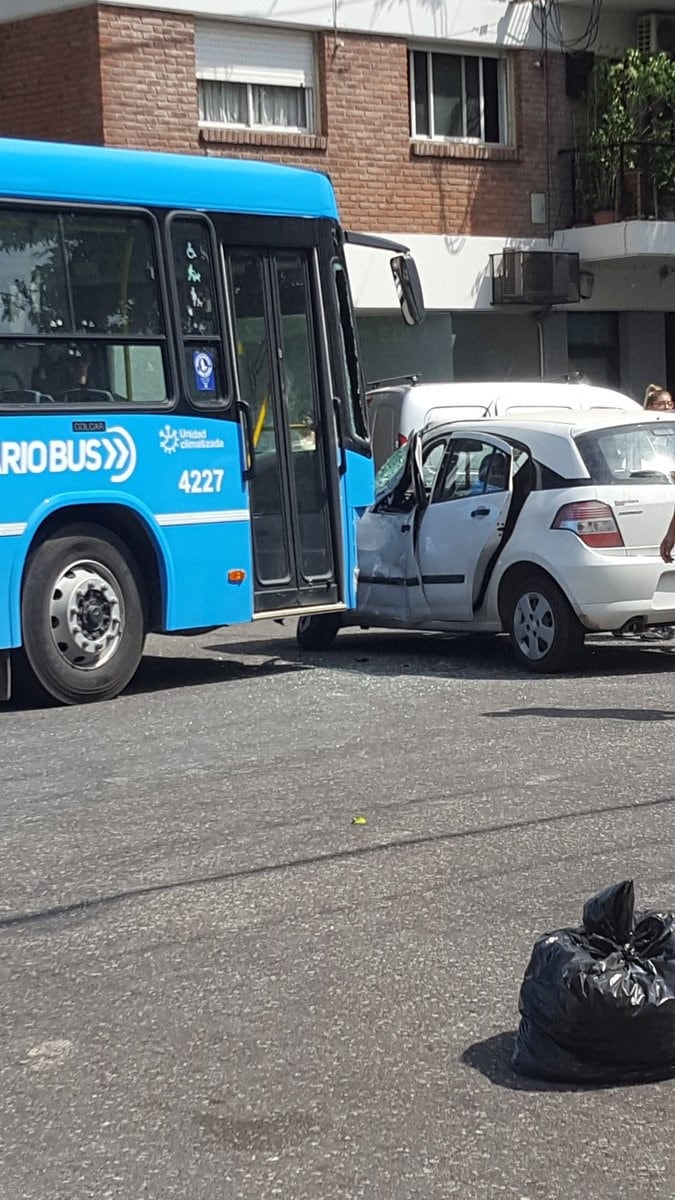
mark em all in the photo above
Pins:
pixel 49 77
pixel 385 182
pixel 146 78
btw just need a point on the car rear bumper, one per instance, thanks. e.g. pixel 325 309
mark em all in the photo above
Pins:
pixel 640 589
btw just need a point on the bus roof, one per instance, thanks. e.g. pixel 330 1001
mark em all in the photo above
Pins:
pixel 103 175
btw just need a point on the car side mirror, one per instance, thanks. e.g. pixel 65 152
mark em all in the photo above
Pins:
pixel 408 288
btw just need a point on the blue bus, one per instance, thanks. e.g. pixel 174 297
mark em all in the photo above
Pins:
pixel 183 439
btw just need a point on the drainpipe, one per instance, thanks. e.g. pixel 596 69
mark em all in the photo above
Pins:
pixel 540 317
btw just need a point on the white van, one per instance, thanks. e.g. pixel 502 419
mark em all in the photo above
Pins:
pixel 398 407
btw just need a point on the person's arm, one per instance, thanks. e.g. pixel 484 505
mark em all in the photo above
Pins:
pixel 668 542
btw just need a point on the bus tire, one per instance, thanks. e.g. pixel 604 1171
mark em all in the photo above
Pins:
pixel 318 632
pixel 82 615
pixel 545 633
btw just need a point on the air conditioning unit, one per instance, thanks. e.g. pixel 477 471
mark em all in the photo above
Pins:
pixel 655 32
pixel 536 277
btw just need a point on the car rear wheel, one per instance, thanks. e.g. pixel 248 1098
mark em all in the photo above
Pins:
pixel 319 632
pixel 545 634
pixel 82 616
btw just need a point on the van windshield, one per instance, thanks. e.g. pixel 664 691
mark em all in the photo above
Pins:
pixel 630 454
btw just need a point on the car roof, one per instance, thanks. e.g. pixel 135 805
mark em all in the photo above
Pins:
pixel 562 422
pixel 550 441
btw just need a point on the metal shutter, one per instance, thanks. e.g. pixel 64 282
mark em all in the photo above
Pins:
pixel 254 54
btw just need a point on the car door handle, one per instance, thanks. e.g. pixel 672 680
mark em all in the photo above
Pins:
pixel 481 512
pixel 405 528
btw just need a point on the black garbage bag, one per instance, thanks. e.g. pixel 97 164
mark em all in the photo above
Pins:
pixel 597 1003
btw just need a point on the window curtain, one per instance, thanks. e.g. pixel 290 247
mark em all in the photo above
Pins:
pixel 222 103
pixel 227 104
pixel 280 106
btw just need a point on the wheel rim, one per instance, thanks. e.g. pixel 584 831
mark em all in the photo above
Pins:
pixel 86 612
pixel 534 625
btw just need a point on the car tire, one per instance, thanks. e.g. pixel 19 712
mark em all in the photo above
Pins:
pixel 82 616
pixel 319 632
pixel 545 633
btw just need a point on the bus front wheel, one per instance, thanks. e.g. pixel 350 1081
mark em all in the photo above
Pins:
pixel 82 615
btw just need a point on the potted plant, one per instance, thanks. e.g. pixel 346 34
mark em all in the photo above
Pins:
pixel 658 88
pixel 605 126
pixel 626 137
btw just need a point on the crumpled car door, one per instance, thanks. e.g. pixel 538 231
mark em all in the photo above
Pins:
pixel 459 535
pixel 387 565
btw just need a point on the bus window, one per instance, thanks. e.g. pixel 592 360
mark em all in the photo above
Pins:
pixel 198 312
pixel 356 414
pixel 252 328
pixel 300 393
pixel 111 274
pixel 32 283
pixel 80 310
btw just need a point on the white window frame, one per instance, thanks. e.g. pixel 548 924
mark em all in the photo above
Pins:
pixel 262 74
pixel 503 95
pixel 249 124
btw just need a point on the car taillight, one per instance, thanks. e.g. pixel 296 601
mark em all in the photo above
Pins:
pixel 402 439
pixel 592 521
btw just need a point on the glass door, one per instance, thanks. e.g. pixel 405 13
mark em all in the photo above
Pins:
pixel 292 518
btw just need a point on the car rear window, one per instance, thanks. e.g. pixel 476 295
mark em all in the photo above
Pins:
pixel 633 454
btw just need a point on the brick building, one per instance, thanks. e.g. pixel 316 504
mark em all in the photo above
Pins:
pixel 446 131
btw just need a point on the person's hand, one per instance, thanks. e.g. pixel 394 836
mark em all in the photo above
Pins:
pixel 668 543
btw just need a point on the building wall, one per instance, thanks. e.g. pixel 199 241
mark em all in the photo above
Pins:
pixel 486 23
pixel 50 85
pixel 148 80
pixel 140 90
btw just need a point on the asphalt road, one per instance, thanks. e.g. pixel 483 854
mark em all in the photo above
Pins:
pixel 214 986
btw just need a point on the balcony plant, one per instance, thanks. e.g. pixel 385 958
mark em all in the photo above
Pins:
pixel 606 124
pixel 626 135
pixel 659 132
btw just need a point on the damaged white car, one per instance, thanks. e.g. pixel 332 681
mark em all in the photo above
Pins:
pixel 544 530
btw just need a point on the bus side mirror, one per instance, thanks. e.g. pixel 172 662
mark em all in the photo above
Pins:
pixel 408 288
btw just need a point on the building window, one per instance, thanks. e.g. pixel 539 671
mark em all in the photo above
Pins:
pixel 593 346
pixel 252 77
pixel 458 97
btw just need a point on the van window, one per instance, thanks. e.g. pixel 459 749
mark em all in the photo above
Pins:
pixel 384 433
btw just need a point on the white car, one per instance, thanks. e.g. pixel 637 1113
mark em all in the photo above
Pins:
pixel 545 530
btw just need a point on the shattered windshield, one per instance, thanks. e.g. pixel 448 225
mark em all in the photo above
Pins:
pixel 390 470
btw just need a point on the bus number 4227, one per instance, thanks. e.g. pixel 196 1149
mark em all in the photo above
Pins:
pixel 202 482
